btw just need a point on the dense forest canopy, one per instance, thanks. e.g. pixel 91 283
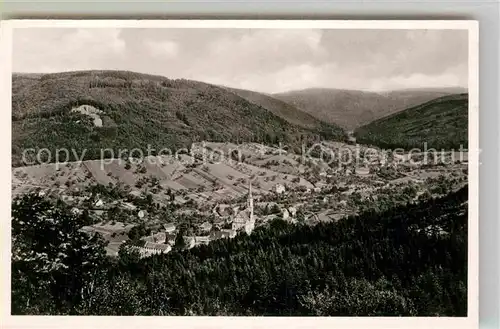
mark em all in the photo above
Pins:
pixel 441 123
pixel 405 261
pixel 138 110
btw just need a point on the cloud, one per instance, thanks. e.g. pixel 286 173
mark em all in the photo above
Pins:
pixel 255 52
pixel 417 80
pixel 288 78
pixel 37 50
pixel 166 48
pixel 267 60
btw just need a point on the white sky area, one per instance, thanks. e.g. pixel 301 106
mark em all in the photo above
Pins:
pixel 265 60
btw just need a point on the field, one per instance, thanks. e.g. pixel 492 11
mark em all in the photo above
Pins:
pixel 213 175
pixel 217 179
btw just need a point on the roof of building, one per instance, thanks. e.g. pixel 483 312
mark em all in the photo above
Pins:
pixel 169 226
pixel 222 209
pixel 242 216
pixel 135 193
pixel 189 239
pixel 158 246
pixel 158 237
pixel 171 236
pixel 97 212
pixel 87 229
pixel 225 233
pixel 112 249
pixel 128 205
pixel 216 235
pixel 205 225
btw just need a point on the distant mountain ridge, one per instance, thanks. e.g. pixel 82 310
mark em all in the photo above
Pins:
pixel 280 108
pixel 353 108
pixel 450 90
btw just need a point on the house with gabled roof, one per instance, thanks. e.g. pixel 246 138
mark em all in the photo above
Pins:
pixel 170 238
pixel 223 234
pixel 198 240
pixel 189 241
pixel 169 227
pixel 156 238
pixel 205 226
pixel 151 248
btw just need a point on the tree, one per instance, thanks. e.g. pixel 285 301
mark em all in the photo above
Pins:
pixel 362 298
pixel 137 232
pixel 85 218
pixel 380 262
pixel 274 209
pixel 128 257
pixel 300 217
pixel 51 258
pixel 180 244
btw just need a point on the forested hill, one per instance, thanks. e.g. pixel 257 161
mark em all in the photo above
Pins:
pixel 136 110
pixel 407 261
pixel 282 109
pixel 353 108
pixel 441 123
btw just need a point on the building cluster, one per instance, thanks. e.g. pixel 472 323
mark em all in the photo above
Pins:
pixel 244 219
pixel 163 242
pixel 234 219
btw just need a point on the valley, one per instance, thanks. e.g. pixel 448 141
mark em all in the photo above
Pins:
pixel 136 194
pixel 352 109
pixel 202 193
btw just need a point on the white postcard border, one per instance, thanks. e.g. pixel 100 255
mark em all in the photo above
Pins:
pixel 244 322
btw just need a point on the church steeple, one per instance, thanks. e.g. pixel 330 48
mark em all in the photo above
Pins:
pixel 250 197
pixel 250 224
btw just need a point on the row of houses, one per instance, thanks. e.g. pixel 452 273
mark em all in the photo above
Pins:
pixel 156 247
pixel 151 248
pixel 163 242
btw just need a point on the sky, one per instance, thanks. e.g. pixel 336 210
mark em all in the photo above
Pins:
pixel 265 60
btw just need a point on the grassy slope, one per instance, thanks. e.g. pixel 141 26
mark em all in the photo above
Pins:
pixel 138 110
pixel 442 123
pixel 352 108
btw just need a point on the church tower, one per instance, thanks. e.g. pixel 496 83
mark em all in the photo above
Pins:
pixel 250 198
pixel 250 224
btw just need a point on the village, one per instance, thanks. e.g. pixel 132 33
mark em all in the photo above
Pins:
pixel 191 200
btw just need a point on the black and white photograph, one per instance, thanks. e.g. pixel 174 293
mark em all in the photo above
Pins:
pixel 232 169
